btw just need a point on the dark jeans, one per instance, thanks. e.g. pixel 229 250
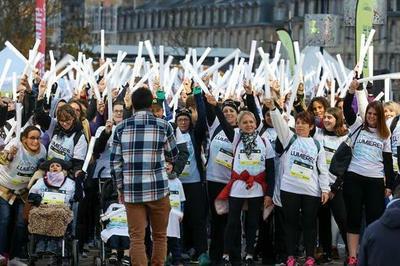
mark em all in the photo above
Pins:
pixel 217 223
pixel 13 230
pixel 233 228
pixel 194 222
pixel 338 209
pixel 291 205
pixel 118 242
pixel 271 239
pixel 359 191
pixel 174 247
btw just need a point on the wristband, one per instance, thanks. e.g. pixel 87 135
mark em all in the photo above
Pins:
pixel 196 90
pixel 160 95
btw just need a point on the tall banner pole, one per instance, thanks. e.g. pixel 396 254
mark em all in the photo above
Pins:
pixel 40 25
pixel 363 21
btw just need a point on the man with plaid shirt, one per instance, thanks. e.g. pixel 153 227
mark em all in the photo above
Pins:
pixel 141 146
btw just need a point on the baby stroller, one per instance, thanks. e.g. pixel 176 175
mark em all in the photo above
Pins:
pixel 108 196
pixel 65 248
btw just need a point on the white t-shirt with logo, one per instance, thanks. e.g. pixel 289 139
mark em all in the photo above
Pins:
pixel 367 157
pixel 18 172
pixel 63 147
pixel 254 164
pixel 176 197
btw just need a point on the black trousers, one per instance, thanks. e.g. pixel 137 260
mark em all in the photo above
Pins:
pixel 233 228
pixel 337 208
pixel 359 191
pixel 217 223
pixel 194 224
pixel 291 205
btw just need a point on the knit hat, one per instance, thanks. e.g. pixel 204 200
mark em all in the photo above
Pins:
pixel 183 111
pixel 231 104
pixel 46 165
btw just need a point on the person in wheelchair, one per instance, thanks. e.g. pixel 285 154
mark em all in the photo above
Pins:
pixel 52 198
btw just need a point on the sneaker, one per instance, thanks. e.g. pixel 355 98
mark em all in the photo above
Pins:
pixel 310 261
pixel 291 261
pixel 351 261
pixel 126 261
pixel 17 262
pixel 204 259
pixel 249 262
pixel 113 259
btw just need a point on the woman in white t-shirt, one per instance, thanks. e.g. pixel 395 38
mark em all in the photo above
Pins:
pixel 364 181
pixel 20 160
pixel 252 181
pixel 331 136
pixel 304 182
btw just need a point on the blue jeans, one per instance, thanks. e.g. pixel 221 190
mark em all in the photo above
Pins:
pixel 13 229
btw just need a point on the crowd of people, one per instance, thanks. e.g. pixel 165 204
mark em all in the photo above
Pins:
pixel 215 181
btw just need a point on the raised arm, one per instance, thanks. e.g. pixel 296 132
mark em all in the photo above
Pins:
pixel 279 123
pixel 226 127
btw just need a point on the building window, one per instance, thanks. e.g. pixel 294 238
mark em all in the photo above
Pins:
pixel 296 8
pixel 222 13
pixel 216 16
pixel 301 8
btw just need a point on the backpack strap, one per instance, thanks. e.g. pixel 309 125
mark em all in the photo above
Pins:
pixel 77 136
pixel 394 122
pixel 291 141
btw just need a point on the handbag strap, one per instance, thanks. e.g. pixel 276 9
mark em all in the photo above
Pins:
pixel 358 133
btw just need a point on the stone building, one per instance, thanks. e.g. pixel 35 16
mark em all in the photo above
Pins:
pixel 234 23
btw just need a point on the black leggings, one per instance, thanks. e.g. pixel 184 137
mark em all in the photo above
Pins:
pixel 359 191
pixel 217 222
pixel 291 205
pixel 233 228
pixel 338 209
pixel 194 222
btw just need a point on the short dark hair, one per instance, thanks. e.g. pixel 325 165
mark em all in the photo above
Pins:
pixel 306 117
pixel 142 98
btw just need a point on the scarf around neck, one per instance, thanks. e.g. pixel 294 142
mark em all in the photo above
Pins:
pixel 249 141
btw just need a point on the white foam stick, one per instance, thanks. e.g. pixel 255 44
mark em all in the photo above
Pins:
pixel 61 64
pixel 362 44
pixel 52 60
pixel 281 75
pixel 203 57
pixel 109 103
pixel 112 214
pixel 233 80
pixel 37 58
pixel 186 65
pixel 387 90
pixel 174 100
pixel 220 64
pixel 89 153
pixel 16 52
pixel 379 96
pixel 341 65
pixel 102 44
pixel 18 115
pixel 28 66
pixel 236 61
pixel 150 51
pixel 371 61
pixel 296 82
pixel 14 86
pixel 333 84
pixel 267 65
pixel 335 72
pixel 252 55
pixel 161 62
pixel 321 86
pixel 10 133
pixel 364 50
pixel 168 62
pixel 296 51
pixel 4 73
pixel 142 80
pixel 102 67
pixel 168 85
pixel 140 49
pixel 277 49
pixel 64 72
pixel 194 58
pixel 381 77
pixel 324 64
pixel 349 78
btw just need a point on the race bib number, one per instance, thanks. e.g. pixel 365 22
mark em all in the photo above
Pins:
pixel 53 198
pixel 20 180
pixel 301 170
pixel 224 158
pixel 253 159
pixel 329 152
pixel 395 163
pixel 120 219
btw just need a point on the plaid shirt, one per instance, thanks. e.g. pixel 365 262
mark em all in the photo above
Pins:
pixel 140 148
